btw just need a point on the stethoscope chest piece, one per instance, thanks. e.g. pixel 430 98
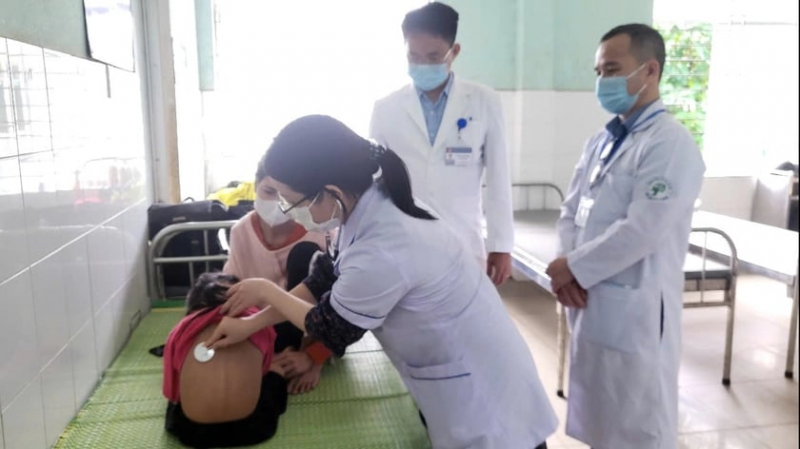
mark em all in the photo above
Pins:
pixel 202 354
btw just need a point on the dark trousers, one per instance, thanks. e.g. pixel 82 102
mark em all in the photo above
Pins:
pixel 297 265
pixel 260 426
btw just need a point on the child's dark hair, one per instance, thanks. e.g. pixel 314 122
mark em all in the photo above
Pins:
pixel 209 291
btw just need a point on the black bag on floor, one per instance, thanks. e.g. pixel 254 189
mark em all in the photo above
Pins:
pixel 240 209
pixel 160 215
pixel 177 278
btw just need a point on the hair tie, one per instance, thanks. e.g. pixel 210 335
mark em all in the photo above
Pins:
pixel 376 151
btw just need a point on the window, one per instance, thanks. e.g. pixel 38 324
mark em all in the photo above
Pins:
pixel 277 61
pixel 731 77
pixel 685 84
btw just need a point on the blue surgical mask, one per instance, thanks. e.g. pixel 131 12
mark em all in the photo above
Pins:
pixel 612 92
pixel 428 76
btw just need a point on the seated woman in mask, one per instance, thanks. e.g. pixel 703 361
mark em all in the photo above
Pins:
pixel 224 398
pixel 268 244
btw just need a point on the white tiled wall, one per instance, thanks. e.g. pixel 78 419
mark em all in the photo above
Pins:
pixel 72 233
pixel 546 132
pixel 23 419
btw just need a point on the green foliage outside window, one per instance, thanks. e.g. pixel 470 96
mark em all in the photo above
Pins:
pixel 685 83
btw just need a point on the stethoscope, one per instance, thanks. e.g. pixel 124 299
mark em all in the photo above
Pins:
pixel 333 249
pixel 611 145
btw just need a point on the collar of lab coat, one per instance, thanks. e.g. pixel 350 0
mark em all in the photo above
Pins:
pixel 644 121
pixel 457 102
pixel 349 230
pixel 639 125
pixel 617 127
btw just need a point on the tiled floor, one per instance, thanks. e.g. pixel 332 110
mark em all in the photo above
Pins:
pixel 759 410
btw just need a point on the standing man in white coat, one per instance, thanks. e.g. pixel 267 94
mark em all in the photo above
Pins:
pixel 450 133
pixel 624 231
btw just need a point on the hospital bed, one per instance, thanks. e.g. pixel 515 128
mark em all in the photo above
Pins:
pixel 536 245
pixel 766 250
pixel 361 399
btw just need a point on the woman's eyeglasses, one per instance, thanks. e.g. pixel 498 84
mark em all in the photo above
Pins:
pixel 285 206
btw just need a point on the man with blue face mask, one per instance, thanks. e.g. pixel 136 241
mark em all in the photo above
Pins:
pixel 623 237
pixel 450 134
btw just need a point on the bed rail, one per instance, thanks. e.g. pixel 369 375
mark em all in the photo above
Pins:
pixel 156 258
pixel 545 186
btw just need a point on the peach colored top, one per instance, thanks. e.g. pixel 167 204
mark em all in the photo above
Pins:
pixel 251 257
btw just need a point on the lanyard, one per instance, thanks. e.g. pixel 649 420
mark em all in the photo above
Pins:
pixel 610 147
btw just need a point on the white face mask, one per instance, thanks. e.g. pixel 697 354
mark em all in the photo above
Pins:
pixel 269 211
pixel 303 216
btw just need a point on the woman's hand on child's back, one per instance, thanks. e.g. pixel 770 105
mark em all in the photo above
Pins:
pixel 230 331
pixel 246 294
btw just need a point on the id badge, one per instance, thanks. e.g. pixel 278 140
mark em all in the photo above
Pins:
pixel 584 209
pixel 458 156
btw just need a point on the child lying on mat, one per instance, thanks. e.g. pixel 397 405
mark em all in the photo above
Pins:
pixel 233 397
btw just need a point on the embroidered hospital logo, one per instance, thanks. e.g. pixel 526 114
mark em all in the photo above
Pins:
pixel 659 189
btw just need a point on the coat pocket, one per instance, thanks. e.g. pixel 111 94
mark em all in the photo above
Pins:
pixel 613 317
pixel 451 401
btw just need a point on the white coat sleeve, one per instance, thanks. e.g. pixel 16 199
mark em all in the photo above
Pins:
pixel 375 128
pixel 566 221
pixel 497 200
pixel 370 284
pixel 665 186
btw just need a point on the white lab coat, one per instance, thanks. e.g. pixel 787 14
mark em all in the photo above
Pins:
pixel 443 326
pixel 454 191
pixel 623 386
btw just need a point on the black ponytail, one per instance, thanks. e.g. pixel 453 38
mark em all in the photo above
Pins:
pixel 315 151
pixel 397 184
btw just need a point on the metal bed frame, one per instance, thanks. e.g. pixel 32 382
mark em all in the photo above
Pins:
pixel 156 258
pixel 780 263
pixel 534 269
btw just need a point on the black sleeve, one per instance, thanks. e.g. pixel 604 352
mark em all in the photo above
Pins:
pixel 298 263
pixel 324 324
pixel 320 276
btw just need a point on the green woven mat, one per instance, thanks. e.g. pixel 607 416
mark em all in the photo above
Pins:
pixel 361 402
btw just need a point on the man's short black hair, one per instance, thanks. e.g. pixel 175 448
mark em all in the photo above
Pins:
pixel 646 42
pixel 436 19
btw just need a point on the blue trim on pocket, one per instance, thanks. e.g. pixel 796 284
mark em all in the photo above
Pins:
pixel 441 378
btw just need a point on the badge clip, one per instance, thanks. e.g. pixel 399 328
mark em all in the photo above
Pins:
pixel 461 124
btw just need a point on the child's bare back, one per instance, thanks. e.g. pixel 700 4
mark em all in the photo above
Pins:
pixel 225 388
